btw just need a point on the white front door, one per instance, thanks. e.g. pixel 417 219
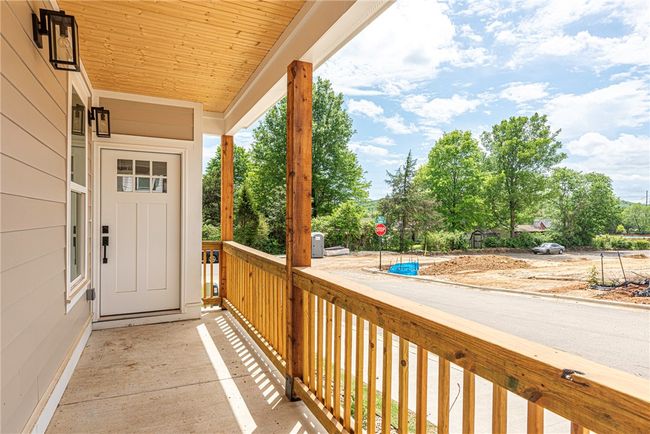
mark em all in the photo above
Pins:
pixel 141 222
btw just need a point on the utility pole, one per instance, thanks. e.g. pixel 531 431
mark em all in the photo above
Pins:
pixel 646 198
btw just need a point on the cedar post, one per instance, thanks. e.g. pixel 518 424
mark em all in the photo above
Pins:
pixel 227 206
pixel 298 240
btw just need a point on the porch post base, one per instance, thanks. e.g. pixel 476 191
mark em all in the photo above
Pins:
pixel 289 390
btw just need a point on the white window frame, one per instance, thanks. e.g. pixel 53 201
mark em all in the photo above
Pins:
pixel 75 289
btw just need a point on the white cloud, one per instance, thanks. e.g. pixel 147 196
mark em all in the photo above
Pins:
pixel 395 124
pixel 364 107
pixel 244 138
pixel 625 159
pixel 404 46
pixel 524 92
pixel 382 141
pixel 370 150
pixel 543 28
pixel 439 110
pixel 606 110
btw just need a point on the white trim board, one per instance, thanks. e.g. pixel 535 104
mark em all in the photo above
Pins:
pixel 46 407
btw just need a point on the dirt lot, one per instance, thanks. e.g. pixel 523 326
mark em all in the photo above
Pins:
pixel 558 274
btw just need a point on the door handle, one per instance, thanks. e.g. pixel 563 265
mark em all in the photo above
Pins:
pixel 105 244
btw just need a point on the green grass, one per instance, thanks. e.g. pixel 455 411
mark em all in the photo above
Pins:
pixel 394 409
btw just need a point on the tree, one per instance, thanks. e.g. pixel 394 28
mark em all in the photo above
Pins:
pixel 521 152
pixel 583 205
pixel 454 177
pixel 336 174
pixel 249 225
pixel 344 226
pixel 404 201
pixel 212 183
pixel 636 218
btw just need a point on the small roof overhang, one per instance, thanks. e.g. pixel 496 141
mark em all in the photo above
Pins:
pixel 231 57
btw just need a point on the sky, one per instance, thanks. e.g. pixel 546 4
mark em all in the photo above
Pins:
pixel 424 67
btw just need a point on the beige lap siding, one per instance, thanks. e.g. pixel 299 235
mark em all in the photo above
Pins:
pixel 37 334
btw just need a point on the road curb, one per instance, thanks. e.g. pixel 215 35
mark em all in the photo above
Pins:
pixel 515 291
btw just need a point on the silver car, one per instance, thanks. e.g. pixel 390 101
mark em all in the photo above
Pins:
pixel 549 248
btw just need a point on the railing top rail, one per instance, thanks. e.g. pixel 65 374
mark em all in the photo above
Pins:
pixel 209 244
pixel 269 263
pixel 595 396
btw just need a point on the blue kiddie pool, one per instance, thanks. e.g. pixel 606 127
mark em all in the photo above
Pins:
pixel 405 268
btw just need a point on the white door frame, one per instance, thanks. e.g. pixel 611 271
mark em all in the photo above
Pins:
pixel 191 152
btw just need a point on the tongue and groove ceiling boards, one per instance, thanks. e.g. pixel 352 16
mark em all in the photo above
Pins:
pixel 202 51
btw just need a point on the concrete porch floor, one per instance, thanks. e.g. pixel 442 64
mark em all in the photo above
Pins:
pixel 190 376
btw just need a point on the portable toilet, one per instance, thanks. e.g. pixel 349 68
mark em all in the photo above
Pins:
pixel 317 245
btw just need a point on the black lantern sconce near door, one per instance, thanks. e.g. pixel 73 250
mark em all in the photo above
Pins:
pixel 78 121
pixel 102 118
pixel 63 35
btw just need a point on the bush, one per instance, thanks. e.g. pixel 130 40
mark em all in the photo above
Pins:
pixel 616 242
pixel 521 241
pixel 211 232
pixel 442 241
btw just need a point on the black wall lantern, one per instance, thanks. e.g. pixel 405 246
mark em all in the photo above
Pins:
pixel 102 118
pixel 78 121
pixel 63 35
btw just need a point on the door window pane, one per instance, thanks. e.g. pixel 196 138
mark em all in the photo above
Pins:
pixel 159 168
pixel 159 185
pixel 125 167
pixel 77 234
pixel 124 183
pixel 142 167
pixel 142 184
pixel 78 141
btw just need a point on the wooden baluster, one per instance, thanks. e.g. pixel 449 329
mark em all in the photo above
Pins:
pixel 312 341
pixel 403 403
pixel 421 391
pixel 372 377
pixel 358 388
pixel 535 422
pixel 499 410
pixel 328 355
pixel 443 396
pixel 305 331
pixel 319 351
pixel 386 387
pixel 468 402
pixel 347 382
pixel 336 404
pixel 203 257
pixel 211 287
pixel 578 429
pixel 309 366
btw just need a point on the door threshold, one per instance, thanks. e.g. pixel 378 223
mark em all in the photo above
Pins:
pixel 138 315
pixel 142 318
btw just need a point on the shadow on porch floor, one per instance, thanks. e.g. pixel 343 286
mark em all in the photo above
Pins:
pixel 189 376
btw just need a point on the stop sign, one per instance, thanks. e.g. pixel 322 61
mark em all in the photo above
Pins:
pixel 380 229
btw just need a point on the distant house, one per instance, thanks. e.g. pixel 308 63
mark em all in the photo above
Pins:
pixel 537 227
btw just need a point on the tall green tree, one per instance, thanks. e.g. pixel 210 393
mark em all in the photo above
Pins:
pixel 636 218
pixel 521 152
pixel 337 176
pixel 404 201
pixel 583 205
pixel 344 226
pixel 454 177
pixel 212 183
pixel 249 225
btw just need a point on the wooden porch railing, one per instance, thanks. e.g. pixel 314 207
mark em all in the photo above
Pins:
pixel 210 251
pixel 349 333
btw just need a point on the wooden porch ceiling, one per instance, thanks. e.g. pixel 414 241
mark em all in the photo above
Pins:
pixel 202 51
